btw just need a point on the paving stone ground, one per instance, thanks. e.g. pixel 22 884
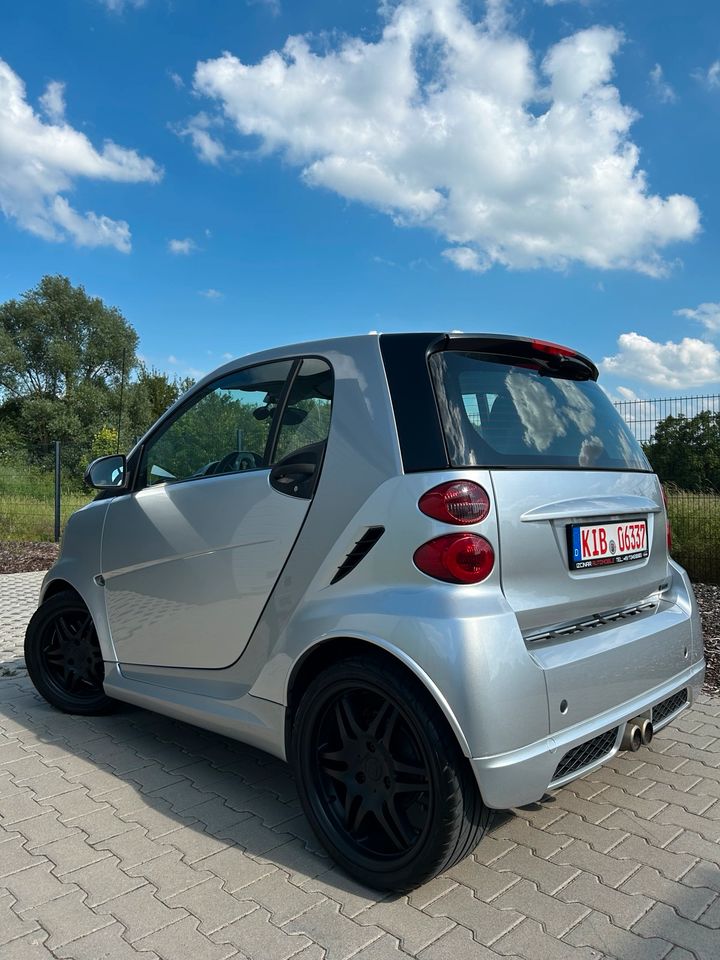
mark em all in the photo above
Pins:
pixel 134 836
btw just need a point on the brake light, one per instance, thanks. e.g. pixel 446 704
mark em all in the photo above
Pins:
pixel 457 501
pixel 554 349
pixel 668 528
pixel 456 558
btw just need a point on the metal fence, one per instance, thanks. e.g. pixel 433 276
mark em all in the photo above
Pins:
pixel 39 488
pixel 680 443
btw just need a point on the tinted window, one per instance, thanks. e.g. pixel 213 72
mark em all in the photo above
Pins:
pixel 306 420
pixel 225 430
pixel 500 413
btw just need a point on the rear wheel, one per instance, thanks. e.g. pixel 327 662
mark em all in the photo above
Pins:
pixel 63 656
pixel 381 777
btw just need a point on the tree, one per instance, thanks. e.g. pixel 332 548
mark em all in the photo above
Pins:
pixel 686 451
pixel 146 398
pixel 62 356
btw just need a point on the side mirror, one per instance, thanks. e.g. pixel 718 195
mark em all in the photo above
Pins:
pixel 107 473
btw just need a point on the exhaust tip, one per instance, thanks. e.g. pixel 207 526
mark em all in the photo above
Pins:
pixel 647 732
pixel 632 738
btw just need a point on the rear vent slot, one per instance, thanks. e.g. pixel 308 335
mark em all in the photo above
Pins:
pixel 361 549
pixel 585 754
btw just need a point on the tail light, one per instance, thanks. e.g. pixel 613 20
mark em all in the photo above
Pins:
pixel 456 558
pixel 668 528
pixel 457 501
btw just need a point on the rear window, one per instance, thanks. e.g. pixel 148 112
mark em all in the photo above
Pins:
pixel 501 413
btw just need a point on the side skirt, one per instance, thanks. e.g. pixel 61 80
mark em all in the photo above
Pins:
pixel 259 723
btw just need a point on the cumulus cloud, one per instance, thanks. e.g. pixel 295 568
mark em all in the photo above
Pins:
pixel 211 293
pixel 446 123
pixel 708 314
pixel 676 366
pixel 467 258
pixel 117 6
pixel 40 161
pixel 710 77
pixel 208 147
pixel 661 88
pixel 53 101
pixel 182 247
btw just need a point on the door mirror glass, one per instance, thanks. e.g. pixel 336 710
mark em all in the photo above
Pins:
pixel 107 473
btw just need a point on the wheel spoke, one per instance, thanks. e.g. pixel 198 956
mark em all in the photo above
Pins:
pixel 411 788
pixel 358 817
pixel 384 721
pixel 392 825
pixel 64 631
pixel 347 724
pixel 409 770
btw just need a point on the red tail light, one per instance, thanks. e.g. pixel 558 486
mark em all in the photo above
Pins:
pixel 457 501
pixel 554 349
pixel 668 528
pixel 456 558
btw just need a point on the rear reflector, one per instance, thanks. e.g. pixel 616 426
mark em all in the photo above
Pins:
pixel 457 501
pixel 456 558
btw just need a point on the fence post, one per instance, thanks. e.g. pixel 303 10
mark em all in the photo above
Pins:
pixel 57 491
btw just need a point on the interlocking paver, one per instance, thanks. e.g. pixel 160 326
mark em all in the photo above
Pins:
pixel 598 932
pixel 68 918
pixel 557 914
pixel 413 928
pixel 485 920
pixel 141 912
pixel 688 901
pixel 338 936
pixel 183 941
pixel 12 926
pixel 136 836
pixel 212 906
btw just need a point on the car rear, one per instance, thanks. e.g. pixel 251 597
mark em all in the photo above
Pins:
pixel 581 545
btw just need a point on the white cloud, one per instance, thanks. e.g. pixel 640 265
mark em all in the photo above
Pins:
pixel 172 359
pixel 675 366
pixel 182 247
pixel 117 6
pixel 211 294
pixel 466 258
pixel 661 88
pixel 446 123
pixel 710 77
pixel 53 101
pixel 39 163
pixel 177 80
pixel 706 313
pixel 272 6
pixel 208 148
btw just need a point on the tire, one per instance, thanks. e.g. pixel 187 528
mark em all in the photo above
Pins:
pixel 364 735
pixel 63 656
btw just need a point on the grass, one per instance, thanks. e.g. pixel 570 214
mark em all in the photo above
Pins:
pixel 27 502
pixel 695 521
pixel 27 513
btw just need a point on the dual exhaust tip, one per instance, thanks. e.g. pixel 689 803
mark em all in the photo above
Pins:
pixel 638 733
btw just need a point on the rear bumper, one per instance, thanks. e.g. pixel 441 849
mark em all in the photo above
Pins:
pixel 524 775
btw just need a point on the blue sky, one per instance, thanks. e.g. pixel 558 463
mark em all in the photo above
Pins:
pixel 539 168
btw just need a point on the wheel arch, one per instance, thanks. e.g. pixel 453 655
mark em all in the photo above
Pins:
pixel 331 650
pixel 59 585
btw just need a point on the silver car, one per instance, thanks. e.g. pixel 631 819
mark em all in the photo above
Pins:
pixel 430 570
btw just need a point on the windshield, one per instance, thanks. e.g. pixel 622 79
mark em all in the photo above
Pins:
pixel 505 413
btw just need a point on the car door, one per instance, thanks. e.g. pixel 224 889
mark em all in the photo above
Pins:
pixel 191 555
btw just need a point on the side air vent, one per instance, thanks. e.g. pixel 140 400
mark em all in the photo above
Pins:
pixel 585 754
pixel 361 549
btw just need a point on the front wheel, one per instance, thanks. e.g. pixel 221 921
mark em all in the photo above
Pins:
pixel 63 656
pixel 381 777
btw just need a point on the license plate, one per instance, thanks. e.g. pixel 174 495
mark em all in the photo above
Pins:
pixel 604 544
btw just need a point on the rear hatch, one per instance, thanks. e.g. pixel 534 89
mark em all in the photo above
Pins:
pixel 580 513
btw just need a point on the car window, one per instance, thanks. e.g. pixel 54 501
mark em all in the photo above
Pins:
pixel 306 420
pixel 226 429
pixel 499 412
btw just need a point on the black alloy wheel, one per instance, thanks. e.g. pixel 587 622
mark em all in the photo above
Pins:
pixel 381 777
pixel 63 656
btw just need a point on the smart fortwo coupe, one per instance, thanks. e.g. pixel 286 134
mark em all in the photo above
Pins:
pixel 429 570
